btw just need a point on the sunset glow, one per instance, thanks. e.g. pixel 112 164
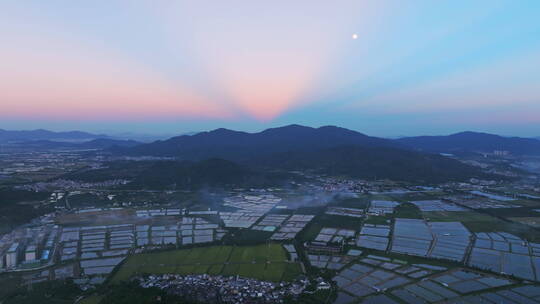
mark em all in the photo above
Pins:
pixel 253 64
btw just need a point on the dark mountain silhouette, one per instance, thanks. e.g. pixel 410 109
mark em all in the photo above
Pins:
pixel 105 143
pixel 40 134
pixel 327 150
pixel 354 161
pixel 239 146
pixel 473 142
pixel 100 144
pixel 374 163
pixel 190 175
pixel 179 174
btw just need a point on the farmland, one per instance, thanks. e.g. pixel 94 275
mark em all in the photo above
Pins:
pixel 266 262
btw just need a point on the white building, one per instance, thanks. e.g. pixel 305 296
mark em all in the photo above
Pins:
pixel 323 286
pixel 30 253
pixel 12 255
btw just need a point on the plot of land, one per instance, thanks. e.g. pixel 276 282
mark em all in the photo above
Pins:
pixel 451 240
pixel 505 253
pixel 449 285
pixel 436 205
pixel 267 262
pixel 531 221
pixel 374 237
pixel 522 294
pixel 458 216
pixel 411 236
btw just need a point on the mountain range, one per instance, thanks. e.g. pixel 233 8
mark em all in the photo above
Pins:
pixel 235 145
pixel 372 163
pixel 240 146
pixel 338 151
pixel 179 174
pixel 325 150
pixel 473 142
pixel 44 140
pixel 99 143
pixel 40 134
pixel 46 145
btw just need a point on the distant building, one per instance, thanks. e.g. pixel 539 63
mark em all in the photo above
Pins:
pixel 323 247
pixel 45 255
pixel 501 153
pixel 12 255
pixel 323 286
pixel 31 253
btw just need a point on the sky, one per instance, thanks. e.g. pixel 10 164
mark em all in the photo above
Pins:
pixel 384 68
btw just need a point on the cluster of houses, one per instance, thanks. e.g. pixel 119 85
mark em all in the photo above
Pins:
pixel 224 289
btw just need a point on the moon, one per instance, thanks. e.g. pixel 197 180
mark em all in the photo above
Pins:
pixel 354 36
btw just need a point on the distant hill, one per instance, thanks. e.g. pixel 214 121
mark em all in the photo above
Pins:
pixel 374 163
pixel 100 143
pixel 13 213
pixel 327 150
pixel 225 156
pixel 472 142
pixel 353 161
pixel 239 146
pixel 190 175
pixel 179 174
pixel 105 143
pixel 40 134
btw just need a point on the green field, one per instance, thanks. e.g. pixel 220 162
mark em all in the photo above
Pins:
pixel 407 210
pixel 379 220
pixel 459 216
pixel 483 222
pixel 266 262
pixel 324 220
pixel 93 299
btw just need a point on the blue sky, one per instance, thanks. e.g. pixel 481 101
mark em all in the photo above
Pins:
pixel 167 67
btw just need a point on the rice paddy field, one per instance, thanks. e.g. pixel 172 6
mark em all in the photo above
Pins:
pixel 265 262
pixel 462 216
pixel 531 221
